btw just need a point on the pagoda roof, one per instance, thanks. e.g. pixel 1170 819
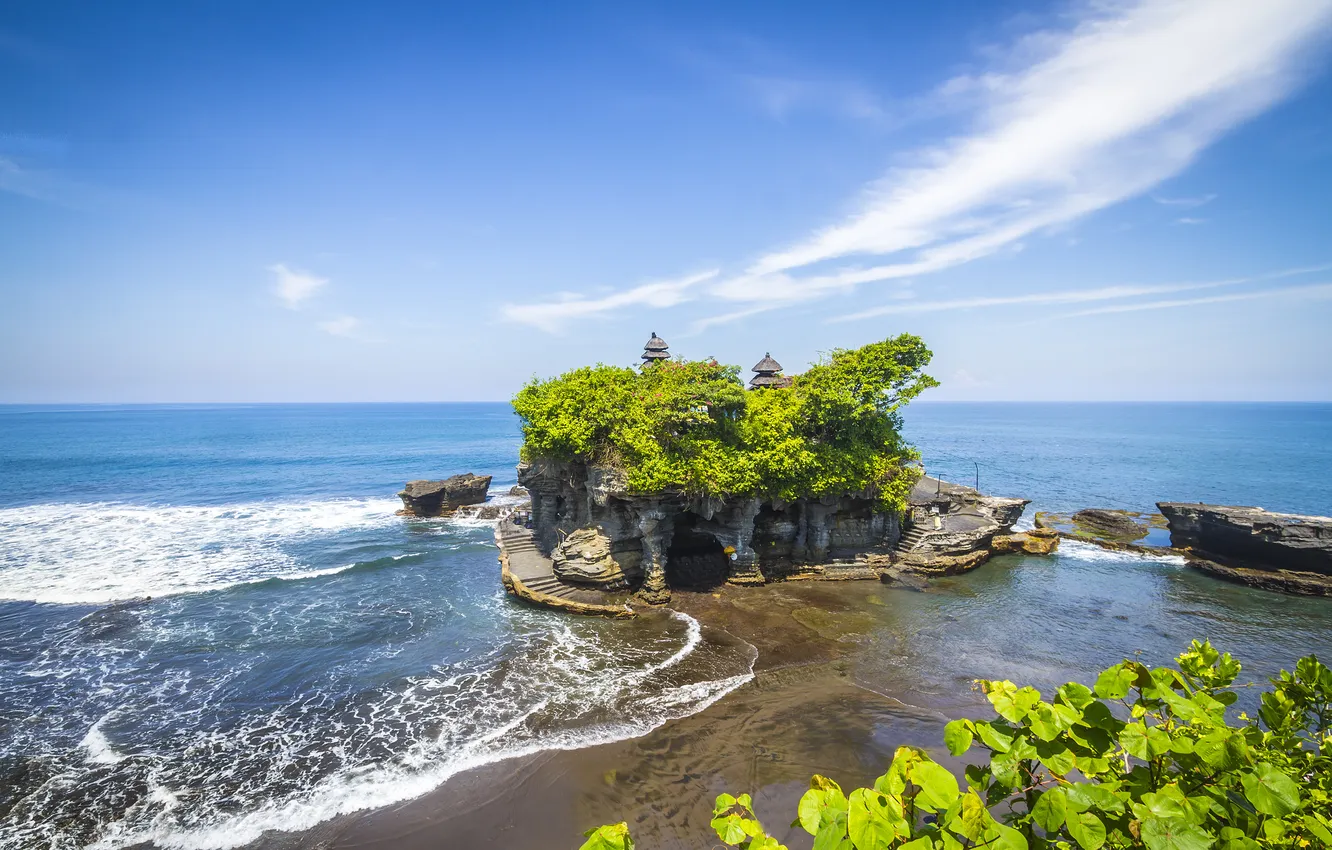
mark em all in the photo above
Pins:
pixel 656 343
pixel 767 366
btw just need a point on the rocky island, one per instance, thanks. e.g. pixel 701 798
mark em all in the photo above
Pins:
pixel 675 476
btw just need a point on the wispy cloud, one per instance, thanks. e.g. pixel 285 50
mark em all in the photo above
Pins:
pixel 1071 296
pixel 1196 201
pixel 553 316
pixel 294 286
pixel 341 326
pixel 780 96
pixel 41 184
pixel 1305 291
pixel 1190 220
pixel 1119 103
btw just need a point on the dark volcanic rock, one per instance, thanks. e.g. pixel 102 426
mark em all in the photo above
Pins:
pixel 1255 540
pixel 441 498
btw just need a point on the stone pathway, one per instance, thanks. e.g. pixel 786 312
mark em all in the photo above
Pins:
pixel 536 574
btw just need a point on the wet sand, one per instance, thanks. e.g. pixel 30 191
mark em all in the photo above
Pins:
pixel 802 714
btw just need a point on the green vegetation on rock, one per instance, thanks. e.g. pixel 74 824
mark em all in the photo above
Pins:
pixel 691 427
pixel 1143 758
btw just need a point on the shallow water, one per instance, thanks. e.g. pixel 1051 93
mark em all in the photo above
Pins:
pixel 306 653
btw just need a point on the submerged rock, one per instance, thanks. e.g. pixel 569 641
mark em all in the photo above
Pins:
pixel 1126 526
pixel 425 498
pixel 1287 552
pixel 1108 528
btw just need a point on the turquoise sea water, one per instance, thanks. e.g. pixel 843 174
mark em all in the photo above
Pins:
pixel 212 623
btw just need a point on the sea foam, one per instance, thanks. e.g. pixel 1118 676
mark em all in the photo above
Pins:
pixel 99 553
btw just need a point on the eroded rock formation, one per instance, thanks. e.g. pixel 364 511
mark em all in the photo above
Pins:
pixel 440 498
pixel 662 540
pixel 1286 552
pixel 599 534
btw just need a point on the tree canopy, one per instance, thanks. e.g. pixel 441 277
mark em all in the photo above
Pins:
pixel 691 427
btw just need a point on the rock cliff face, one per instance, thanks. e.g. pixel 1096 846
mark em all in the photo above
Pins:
pixel 441 498
pixel 1243 543
pixel 957 529
pixel 597 532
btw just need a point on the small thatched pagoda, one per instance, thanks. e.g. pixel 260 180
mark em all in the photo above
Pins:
pixel 656 349
pixel 768 373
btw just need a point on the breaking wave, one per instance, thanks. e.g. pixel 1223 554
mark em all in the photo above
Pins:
pixel 162 768
pixel 99 553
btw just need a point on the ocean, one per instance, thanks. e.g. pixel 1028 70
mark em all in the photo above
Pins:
pixel 212 624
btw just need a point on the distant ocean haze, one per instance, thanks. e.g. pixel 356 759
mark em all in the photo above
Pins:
pixel 306 653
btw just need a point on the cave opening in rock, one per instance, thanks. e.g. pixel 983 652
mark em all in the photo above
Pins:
pixel 696 560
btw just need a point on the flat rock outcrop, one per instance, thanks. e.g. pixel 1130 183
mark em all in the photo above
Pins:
pixel 425 498
pixel 1037 541
pixel 1287 552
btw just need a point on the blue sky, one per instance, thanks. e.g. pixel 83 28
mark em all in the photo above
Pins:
pixel 333 202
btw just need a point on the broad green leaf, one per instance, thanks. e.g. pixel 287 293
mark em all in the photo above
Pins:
pixel 958 736
pixel 922 843
pixel 610 837
pixel 1174 834
pixel 873 820
pixel 1087 829
pixel 1271 791
pixel 1001 837
pixel 1115 682
pixel 1060 761
pixel 724 803
pixel 938 787
pixel 994 738
pixel 1077 695
pixel 1318 830
pixel 1144 742
pixel 730 829
pixel 1050 810
pixel 832 835
pixel 971 820
pixel 1085 795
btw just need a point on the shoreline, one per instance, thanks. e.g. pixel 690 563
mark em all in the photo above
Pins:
pixel 801 713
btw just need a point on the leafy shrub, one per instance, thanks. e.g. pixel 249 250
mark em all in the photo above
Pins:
pixel 690 426
pixel 1144 758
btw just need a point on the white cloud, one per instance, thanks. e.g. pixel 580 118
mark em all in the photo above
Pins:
pixel 294 286
pixel 1124 100
pixel 1190 220
pixel 1071 296
pixel 341 326
pixel 1185 202
pixel 1306 291
pixel 553 316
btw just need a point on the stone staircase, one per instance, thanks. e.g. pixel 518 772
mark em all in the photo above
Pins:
pixel 911 538
pixel 534 572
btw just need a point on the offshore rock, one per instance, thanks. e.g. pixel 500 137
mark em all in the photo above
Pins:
pixel 1287 552
pixel 441 498
pixel 1037 541
pixel 1120 525
pixel 586 556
